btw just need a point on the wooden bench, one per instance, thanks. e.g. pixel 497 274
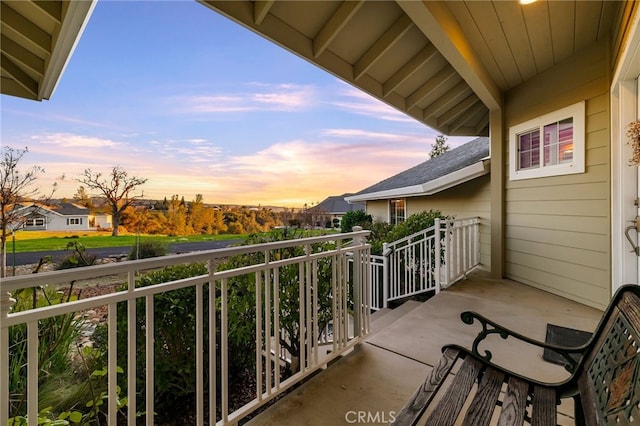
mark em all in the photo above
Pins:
pixel 604 381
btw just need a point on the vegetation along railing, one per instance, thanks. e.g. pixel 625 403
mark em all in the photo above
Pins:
pixel 428 260
pixel 207 336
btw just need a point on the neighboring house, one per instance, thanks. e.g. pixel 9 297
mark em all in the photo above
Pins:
pixel 457 183
pixel 55 217
pixel 554 85
pixel 101 221
pixel 332 209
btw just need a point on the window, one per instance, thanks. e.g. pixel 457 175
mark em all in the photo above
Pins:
pixel 74 221
pixel 397 212
pixel 32 222
pixel 550 145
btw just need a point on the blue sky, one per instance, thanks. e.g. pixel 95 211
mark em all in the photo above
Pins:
pixel 173 92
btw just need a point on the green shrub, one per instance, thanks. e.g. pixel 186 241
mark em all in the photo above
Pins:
pixel 147 249
pixel 63 381
pixel 415 223
pixel 355 218
pixel 78 257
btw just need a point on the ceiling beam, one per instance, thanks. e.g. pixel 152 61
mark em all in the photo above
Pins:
pixel 334 25
pixel 458 91
pixel 260 10
pixel 22 78
pixel 457 110
pixel 483 123
pixel 28 30
pixel 51 8
pixel 468 117
pixel 408 69
pixel 437 23
pixel 382 45
pixel 18 53
pixel 430 85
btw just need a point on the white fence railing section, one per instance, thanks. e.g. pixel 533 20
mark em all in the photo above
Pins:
pixel 310 305
pixel 425 261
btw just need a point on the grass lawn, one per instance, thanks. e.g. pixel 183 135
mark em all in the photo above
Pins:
pixel 51 240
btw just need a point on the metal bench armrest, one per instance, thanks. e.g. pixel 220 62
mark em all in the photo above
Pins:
pixel 491 327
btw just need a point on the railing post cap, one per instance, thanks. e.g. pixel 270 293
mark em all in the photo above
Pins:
pixel 6 303
pixel 356 228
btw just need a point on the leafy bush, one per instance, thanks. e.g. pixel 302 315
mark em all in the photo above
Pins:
pixel 78 257
pixel 355 218
pixel 65 383
pixel 174 339
pixel 415 223
pixel 147 249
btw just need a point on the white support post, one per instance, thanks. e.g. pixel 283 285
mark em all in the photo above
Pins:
pixel 437 254
pixel 6 303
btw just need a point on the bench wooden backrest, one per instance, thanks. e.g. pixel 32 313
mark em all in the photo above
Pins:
pixel 609 377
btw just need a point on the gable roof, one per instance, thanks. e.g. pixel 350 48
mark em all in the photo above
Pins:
pixel 452 168
pixel 336 204
pixel 59 208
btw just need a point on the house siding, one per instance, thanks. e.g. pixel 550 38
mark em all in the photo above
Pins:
pixel 557 229
pixel 471 199
pixel 59 223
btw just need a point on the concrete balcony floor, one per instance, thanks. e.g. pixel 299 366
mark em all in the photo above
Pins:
pixel 372 383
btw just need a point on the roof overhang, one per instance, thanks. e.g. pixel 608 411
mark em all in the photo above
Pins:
pixel 432 187
pixel 37 41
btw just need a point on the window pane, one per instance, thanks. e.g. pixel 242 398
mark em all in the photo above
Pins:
pixel 396 211
pixel 529 148
pixel 558 142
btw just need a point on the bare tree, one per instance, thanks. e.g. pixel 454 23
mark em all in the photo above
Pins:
pixel 15 186
pixel 117 187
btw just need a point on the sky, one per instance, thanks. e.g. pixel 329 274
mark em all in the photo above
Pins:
pixel 173 92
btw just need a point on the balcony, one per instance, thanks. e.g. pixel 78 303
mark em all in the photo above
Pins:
pixel 374 382
pixel 311 334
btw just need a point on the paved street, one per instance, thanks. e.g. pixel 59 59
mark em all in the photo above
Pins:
pixel 34 257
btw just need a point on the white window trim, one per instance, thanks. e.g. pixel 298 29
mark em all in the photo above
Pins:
pixel 389 210
pixel 577 113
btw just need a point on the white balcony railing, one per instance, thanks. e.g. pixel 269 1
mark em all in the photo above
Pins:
pixel 330 276
pixel 428 260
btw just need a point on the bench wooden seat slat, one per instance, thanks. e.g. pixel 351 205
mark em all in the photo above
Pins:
pixel 449 407
pixel 425 393
pixel 514 406
pixel 544 406
pixel 604 382
pixel 482 407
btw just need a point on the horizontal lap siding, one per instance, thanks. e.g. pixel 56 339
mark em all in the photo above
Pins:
pixel 557 229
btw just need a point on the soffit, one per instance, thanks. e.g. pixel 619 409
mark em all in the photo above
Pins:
pixel 443 63
pixel 36 41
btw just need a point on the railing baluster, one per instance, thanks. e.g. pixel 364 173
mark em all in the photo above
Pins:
pixel 149 358
pixel 32 372
pixel 200 354
pixel 112 363
pixel 276 327
pixel 213 342
pixel 259 339
pixel 132 353
pixel 224 349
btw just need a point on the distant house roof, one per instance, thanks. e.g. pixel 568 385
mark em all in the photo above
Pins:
pixel 61 208
pixel 337 204
pixel 69 209
pixel 447 170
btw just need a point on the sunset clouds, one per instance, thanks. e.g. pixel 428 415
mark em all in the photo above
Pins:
pixel 227 115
